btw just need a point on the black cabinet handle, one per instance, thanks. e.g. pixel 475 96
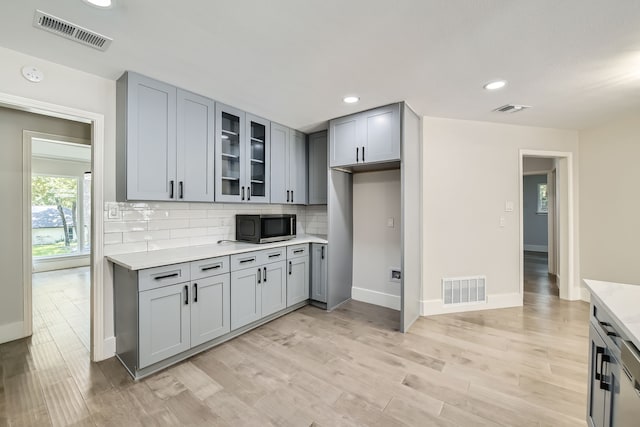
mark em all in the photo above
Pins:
pixel 181 186
pixel 264 275
pixel 171 189
pixel 608 328
pixel 186 295
pixel 195 292
pixel 213 267
pixel 248 193
pixel 274 255
pixel 287 196
pixel 298 251
pixel 289 268
pixel 291 196
pixel 322 252
pixel 603 385
pixel 357 154
pixel 599 353
pixel 259 275
pixel 242 193
pixel 242 261
pixel 166 276
pixel 363 154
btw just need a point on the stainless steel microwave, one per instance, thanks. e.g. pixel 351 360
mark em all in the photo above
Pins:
pixel 265 228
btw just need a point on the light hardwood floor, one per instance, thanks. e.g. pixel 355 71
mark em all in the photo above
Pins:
pixel 512 367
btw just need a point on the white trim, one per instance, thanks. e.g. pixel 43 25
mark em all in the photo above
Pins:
pixel 376 298
pixel 109 346
pixel 11 331
pixel 585 295
pixel 60 263
pixel 436 306
pixel 97 203
pixel 536 248
pixel 540 172
pixel 569 289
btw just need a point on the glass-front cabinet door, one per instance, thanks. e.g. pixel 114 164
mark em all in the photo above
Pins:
pixel 258 153
pixel 230 154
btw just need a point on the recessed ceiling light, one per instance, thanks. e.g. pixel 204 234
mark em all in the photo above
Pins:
pixel 497 84
pixel 103 4
pixel 32 74
pixel 351 99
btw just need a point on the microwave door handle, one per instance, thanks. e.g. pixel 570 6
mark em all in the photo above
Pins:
pixel 291 226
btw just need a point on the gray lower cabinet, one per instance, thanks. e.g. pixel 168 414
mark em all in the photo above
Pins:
pixel 317 168
pixel 164 323
pixel 274 288
pixel 288 165
pixel 210 308
pixel 298 274
pixel 319 272
pixel 246 297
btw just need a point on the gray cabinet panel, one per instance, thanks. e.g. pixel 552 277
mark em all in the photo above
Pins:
pixel 381 134
pixel 298 280
pixel 317 167
pixel 230 154
pixel 195 144
pixel 298 168
pixel 258 146
pixel 210 308
pixel 319 272
pixel 150 138
pixel 164 323
pixel 344 138
pixel 274 288
pixel 279 163
pixel 246 297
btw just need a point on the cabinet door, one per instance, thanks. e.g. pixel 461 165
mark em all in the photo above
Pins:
pixel 151 139
pixel 230 154
pixel 319 272
pixel 596 402
pixel 258 150
pixel 381 134
pixel 298 280
pixel 344 138
pixel 195 143
pixel 210 308
pixel 274 288
pixel 318 168
pixel 164 323
pixel 298 167
pixel 280 191
pixel 246 297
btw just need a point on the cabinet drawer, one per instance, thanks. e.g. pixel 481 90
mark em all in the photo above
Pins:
pixel 209 267
pixel 245 260
pixel 297 251
pixel 157 277
pixel 272 255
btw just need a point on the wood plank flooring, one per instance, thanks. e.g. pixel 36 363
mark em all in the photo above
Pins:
pixel 511 367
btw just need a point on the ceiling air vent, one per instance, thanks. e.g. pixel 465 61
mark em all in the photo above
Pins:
pixel 70 31
pixel 511 108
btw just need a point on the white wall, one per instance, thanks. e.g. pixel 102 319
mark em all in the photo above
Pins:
pixel 609 200
pixel 12 124
pixel 470 170
pixel 535 223
pixel 376 247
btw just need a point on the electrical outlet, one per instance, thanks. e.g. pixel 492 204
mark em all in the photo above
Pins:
pixel 114 212
pixel 508 206
pixel 395 274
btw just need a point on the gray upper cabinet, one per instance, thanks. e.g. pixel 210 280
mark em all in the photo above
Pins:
pixel 288 165
pixel 210 308
pixel 318 168
pixel 242 153
pixel 164 142
pixel 371 136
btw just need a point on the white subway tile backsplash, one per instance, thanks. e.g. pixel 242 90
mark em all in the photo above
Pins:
pixel 140 236
pixel 168 224
pixel 167 244
pixel 112 238
pixel 121 226
pixel 188 232
pixel 125 248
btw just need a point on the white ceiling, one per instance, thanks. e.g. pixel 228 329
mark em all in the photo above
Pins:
pixel 576 62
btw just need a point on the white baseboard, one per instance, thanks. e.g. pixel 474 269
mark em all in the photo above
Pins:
pixel 11 331
pixel 585 295
pixel 434 307
pixel 108 348
pixel 376 298
pixel 536 248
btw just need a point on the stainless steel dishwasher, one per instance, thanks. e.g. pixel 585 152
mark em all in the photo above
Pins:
pixel 629 400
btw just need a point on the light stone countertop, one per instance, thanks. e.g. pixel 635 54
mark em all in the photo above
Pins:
pixel 150 259
pixel 622 302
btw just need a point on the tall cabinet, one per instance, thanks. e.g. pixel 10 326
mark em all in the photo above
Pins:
pixel 288 165
pixel 164 142
pixel 242 152
pixel 317 173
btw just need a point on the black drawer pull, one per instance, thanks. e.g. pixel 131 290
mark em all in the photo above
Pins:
pixel 166 276
pixel 186 296
pixel 195 292
pixel 297 251
pixel 213 267
pixel 242 261
pixel 322 252
pixel 274 255
pixel 608 328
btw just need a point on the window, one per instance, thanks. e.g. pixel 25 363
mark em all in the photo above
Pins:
pixel 543 199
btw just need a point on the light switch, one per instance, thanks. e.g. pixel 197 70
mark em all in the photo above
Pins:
pixel 113 212
pixel 502 221
pixel 390 222
pixel 508 206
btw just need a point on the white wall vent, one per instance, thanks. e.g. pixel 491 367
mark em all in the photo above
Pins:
pixel 70 31
pixel 511 108
pixel 464 290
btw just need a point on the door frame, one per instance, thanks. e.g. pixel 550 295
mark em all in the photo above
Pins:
pixel 566 268
pixel 97 123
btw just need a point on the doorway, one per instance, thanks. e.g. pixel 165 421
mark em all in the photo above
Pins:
pixel 546 224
